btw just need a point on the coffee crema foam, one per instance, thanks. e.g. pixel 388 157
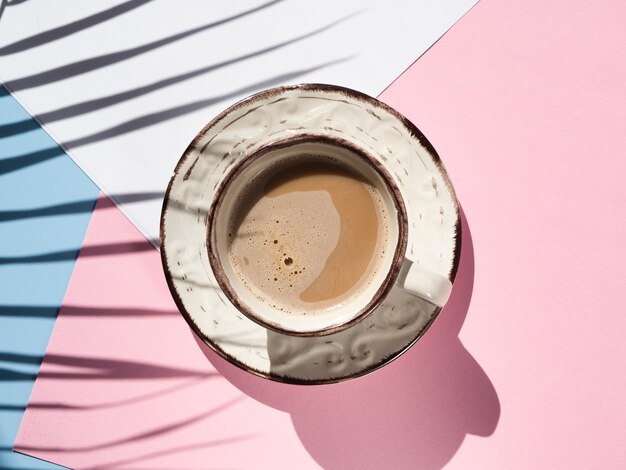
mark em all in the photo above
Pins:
pixel 307 236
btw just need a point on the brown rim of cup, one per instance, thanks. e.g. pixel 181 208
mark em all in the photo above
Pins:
pixel 399 253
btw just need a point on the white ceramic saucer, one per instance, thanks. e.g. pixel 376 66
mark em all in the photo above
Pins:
pixel 434 232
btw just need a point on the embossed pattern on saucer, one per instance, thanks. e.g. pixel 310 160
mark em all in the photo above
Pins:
pixel 434 231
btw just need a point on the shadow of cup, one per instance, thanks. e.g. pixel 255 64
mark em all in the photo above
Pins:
pixel 413 413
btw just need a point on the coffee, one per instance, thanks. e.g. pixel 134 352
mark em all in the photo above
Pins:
pixel 306 237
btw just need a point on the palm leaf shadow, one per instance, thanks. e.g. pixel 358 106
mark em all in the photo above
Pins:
pixel 87 65
pixel 99 368
pixel 51 311
pixel 154 432
pixel 105 249
pixel 61 32
pixel 85 107
pixel 173 450
pixel 177 111
pixel 76 207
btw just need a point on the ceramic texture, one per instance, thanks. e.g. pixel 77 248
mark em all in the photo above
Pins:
pixel 434 235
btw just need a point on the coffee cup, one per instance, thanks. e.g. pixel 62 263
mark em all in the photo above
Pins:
pixel 308 234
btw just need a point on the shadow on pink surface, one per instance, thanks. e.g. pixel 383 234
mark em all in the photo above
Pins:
pixel 414 412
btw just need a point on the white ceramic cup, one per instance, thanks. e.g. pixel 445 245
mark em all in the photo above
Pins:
pixel 394 270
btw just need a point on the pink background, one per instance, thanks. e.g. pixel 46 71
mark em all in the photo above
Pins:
pixel 525 102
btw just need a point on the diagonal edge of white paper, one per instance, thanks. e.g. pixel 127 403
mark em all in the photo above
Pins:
pixel 163 70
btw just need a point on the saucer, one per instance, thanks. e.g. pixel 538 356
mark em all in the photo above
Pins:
pixel 434 238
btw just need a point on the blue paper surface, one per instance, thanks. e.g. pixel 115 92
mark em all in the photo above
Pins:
pixel 45 207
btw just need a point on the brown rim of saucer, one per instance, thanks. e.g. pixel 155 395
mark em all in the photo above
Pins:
pixel 323 88
pixel 399 251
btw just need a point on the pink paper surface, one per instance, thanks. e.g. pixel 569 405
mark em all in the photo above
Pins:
pixel 525 367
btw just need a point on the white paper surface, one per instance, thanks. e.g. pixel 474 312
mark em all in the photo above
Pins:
pixel 125 86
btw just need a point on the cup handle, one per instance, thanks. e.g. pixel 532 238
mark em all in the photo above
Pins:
pixel 426 284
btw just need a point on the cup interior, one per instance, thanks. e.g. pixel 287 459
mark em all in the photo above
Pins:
pixel 281 154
